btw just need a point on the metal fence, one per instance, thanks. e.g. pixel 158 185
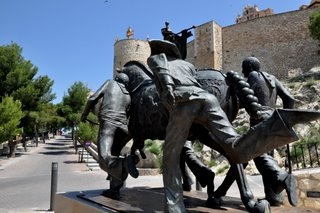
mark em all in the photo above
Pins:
pixel 304 156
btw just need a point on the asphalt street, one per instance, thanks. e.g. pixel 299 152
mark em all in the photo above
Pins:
pixel 25 181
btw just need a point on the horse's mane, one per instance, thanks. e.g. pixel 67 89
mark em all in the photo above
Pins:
pixel 141 66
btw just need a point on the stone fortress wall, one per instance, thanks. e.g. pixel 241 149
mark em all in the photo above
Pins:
pixel 281 42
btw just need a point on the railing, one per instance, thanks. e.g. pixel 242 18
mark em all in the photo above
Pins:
pixel 305 156
pixel 92 149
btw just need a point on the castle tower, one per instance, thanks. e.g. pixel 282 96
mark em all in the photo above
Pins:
pixel 205 51
pixel 128 50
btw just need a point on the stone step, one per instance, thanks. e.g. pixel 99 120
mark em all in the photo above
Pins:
pixel 89 160
pixel 91 163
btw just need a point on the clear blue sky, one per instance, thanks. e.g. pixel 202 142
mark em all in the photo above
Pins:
pixel 73 40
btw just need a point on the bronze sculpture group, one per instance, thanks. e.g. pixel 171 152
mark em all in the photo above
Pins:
pixel 185 111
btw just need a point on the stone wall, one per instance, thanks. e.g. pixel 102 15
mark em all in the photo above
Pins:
pixel 281 42
pixel 308 184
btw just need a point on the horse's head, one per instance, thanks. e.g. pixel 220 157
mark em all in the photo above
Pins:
pixel 138 75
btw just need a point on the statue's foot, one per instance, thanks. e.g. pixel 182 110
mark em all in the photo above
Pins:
pixel 131 164
pixel 295 116
pixel 290 187
pixel 115 195
pixel 213 202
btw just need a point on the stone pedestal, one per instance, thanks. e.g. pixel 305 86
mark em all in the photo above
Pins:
pixel 143 199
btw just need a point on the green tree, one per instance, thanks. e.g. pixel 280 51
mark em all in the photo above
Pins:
pixel 73 105
pixel 10 116
pixel 18 80
pixel 314 24
pixel 87 132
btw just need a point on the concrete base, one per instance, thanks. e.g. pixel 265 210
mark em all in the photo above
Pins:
pixel 142 199
pixel 69 202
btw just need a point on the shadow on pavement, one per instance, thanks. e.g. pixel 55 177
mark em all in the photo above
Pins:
pixel 58 148
pixel 71 162
pixel 57 144
pixel 63 139
pixel 57 153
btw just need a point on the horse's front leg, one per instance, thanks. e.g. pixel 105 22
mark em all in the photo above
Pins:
pixel 261 206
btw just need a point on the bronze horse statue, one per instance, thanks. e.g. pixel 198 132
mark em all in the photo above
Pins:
pixel 148 119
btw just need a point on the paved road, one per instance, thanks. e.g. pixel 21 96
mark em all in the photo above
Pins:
pixel 25 181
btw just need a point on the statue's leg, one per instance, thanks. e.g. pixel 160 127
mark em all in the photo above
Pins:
pixel 204 175
pixel 114 191
pixel 222 131
pixel 133 158
pixel 176 134
pixel 227 182
pixel 275 180
pixel 245 192
pixel 269 134
pixel 110 144
pixel 185 172
pixel 260 139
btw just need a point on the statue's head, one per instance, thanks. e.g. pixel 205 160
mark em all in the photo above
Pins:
pixel 250 64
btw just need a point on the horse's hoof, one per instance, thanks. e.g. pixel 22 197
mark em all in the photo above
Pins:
pixel 131 166
pixel 214 203
pixel 262 206
pixel 115 195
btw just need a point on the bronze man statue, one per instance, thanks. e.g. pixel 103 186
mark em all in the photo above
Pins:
pixel 179 40
pixel 266 88
pixel 188 103
pixel 111 109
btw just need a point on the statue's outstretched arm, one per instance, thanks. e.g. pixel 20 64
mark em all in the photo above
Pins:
pixel 287 99
pixel 159 65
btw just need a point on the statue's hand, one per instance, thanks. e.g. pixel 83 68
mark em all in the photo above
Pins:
pixel 264 112
pixel 168 97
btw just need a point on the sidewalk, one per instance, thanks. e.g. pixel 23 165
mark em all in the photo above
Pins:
pixel 20 153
